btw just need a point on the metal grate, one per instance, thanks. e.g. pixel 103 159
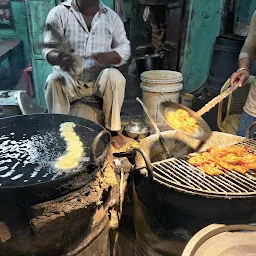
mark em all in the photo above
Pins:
pixel 179 174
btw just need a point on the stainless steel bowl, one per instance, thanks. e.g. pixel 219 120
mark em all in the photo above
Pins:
pixel 137 130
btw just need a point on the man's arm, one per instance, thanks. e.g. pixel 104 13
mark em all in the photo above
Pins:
pixel 121 47
pixel 54 33
pixel 247 56
pixel 107 58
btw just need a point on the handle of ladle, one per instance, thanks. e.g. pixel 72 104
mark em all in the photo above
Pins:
pixel 147 113
pixel 211 104
pixel 156 128
pixel 164 96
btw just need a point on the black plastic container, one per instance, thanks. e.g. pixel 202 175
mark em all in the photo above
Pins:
pixel 148 62
pixel 224 61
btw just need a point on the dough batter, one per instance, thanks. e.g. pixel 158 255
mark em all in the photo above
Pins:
pixel 74 150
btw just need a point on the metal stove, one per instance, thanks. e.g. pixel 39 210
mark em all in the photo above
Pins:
pixel 176 199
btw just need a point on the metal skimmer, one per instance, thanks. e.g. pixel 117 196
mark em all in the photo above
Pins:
pixel 179 174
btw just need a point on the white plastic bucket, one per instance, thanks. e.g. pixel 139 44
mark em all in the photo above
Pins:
pixel 154 83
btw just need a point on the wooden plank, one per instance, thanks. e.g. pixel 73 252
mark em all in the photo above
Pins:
pixel 7 46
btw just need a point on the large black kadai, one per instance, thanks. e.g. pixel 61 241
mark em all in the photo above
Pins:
pixel 29 148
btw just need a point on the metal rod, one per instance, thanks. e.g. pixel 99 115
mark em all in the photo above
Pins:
pixel 184 176
pixel 168 154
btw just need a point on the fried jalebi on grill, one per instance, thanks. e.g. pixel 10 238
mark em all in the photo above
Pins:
pixel 181 120
pixel 211 169
pixel 216 161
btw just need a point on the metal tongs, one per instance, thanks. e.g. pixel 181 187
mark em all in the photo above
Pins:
pixel 161 138
pixel 204 131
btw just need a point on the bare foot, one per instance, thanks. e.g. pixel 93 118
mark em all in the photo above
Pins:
pixel 117 140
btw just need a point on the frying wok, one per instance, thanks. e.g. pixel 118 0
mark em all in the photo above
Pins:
pixel 28 168
pixel 204 131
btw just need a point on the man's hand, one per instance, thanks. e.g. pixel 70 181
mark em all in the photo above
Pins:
pixel 239 77
pixel 106 59
pixel 63 59
pixel 102 59
pixel 66 60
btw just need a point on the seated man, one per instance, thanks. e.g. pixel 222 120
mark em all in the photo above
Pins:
pixel 97 39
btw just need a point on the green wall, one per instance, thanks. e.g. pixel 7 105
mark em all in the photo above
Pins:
pixel 19 30
pixel 109 3
pixel 204 25
pixel 245 10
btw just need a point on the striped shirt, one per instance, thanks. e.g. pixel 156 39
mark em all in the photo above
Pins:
pixel 66 23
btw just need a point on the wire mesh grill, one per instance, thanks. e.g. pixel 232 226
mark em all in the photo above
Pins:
pixel 179 174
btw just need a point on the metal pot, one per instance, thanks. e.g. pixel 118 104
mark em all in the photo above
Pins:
pixel 137 130
pixel 148 62
pixel 155 192
pixel 38 180
pixel 144 50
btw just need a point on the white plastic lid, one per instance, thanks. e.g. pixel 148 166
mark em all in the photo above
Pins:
pixel 161 76
pixel 174 87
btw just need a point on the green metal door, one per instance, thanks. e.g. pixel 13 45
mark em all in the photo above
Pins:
pixel 37 11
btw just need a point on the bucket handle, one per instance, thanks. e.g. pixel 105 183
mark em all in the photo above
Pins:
pixel 164 96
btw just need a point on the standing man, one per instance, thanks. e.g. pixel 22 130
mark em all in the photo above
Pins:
pixel 97 37
pixel 247 56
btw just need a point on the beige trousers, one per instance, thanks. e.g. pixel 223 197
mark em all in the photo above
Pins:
pixel 61 89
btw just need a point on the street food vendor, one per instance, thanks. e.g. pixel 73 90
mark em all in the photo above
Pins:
pixel 97 39
pixel 246 57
